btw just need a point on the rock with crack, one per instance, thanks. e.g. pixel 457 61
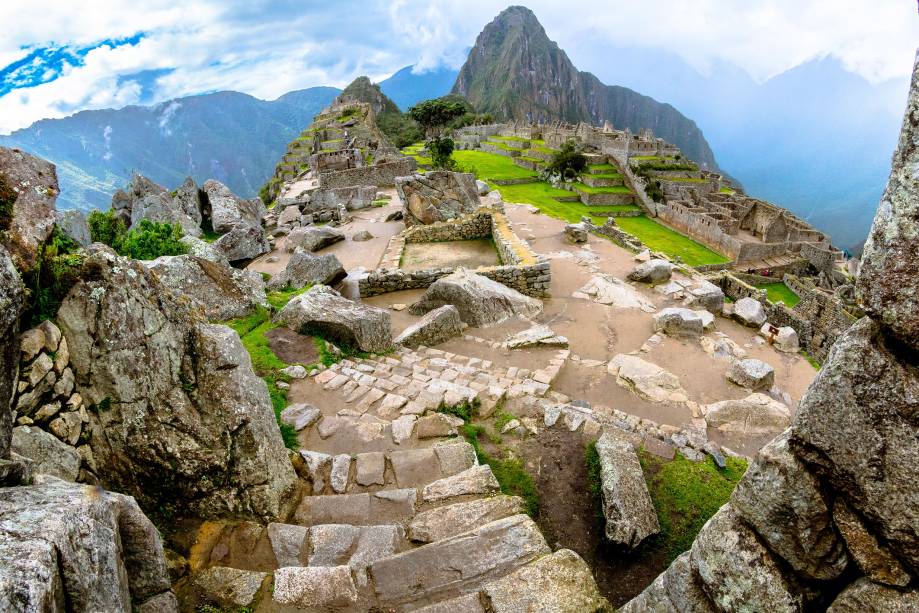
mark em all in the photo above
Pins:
pixel 436 196
pixel 706 295
pixel 652 271
pixel 228 211
pixel 321 310
pixel 752 374
pixel 203 249
pixel 48 454
pixel 304 269
pixel 537 336
pixel 749 312
pixel 73 224
pixel 607 289
pixel 143 199
pixel 242 243
pixel 630 515
pixel 864 596
pixel 434 327
pixel 647 380
pixel 576 233
pixel 677 321
pixel 199 426
pixel 28 185
pixel 12 302
pixel 754 415
pixel 313 238
pixel 480 301
pixel 71 547
pixel 221 292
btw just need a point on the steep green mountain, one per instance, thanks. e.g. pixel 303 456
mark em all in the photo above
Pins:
pixel 228 136
pixel 398 127
pixel 515 72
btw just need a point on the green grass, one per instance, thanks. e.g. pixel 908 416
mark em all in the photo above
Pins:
pixel 811 360
pixel 726 190
pixel 613 189
pixel 685 495
pixel 607 175
pixel 601 167
pixel 511 474
pixel 279 298
pixel 661 238
pixel 780 292
pixel 543 149
pixel 502 418
pixel 490 166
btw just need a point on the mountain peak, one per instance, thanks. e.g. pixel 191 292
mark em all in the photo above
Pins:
pixel 362 90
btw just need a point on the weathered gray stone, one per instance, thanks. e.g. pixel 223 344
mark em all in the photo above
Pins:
pixel 402 428
pixel 318 465
pixel 630 515
pixel 576 233
pixel 434 425
pixel 11 304
pixel 785 339
pixel 735 569
pixel 221 292
pixel 287 542
pixel 480 301
pixel 227 211
pixel 48 454
pixel 474 480
pixel 369 468
pixel 753 415
pixel 201 412
pixel 560 582
pixel 467 559
pixel 782 502
pixel 142 199
pixel 856 426
pixel 467 603
pixel 242 243
pixel 229 586
pixel 454 456
pixel 320 587
pixel 341 468
pixel 363 235
pixel 304 268
pixel 321 309
pixel 872 558
pixel 300 415
pixel 205 250
pixel 313 238
pixel 444 522
pixel 436 196
pixel 434 327
pixel 749 312
pixel 652 271
pixel 647 379
pixel 71 547
pixel 888 280
pixel 677 321
pixel 73 224
pixel 34 182
pixel 676 589
pixel 31 342
pixel 707 296
pixel 752 374
pixel 866 597
pixel 537 336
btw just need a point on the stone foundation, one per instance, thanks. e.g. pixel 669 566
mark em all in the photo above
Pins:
pixel 378 175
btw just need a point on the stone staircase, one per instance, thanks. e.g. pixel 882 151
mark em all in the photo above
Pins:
pixel 410 522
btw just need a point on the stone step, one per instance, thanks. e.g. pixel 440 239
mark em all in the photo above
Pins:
pixel 444 522
pixel 376 470
pixel 396 506
pixel 457 565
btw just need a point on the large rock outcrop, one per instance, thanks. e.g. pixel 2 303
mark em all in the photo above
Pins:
pixel 221 292
pixel 227 210
pixel 480 301
pixel 303 268
pixel 144 199
pixel 177 415
pixel 437 196
pixel 28 190
pixel 69 547
pixel 828 513
pixel 322 310
pixel 11 303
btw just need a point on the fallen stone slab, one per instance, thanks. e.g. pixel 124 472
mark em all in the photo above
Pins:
pixel 305 268
pixel 707 296
pixel 474 480
pixel 576 233
pixel 480 301
pixel 300 415
pixel 324 311
pixel 753 415
pixel 560 582
pixel 314 587
pixel 627 507
pixel 447 521
pixel 313 238
pixel 752 374
pixel 648 380
pixel 677 321
pixel 435 327
pixel 229 586
pixel 749 312
pixel 652 271
pixel 537 336
pixel 606 289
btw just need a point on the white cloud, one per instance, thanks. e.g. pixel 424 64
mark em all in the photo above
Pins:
pixel 266 48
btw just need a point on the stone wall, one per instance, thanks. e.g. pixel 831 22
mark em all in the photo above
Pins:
pixel 379 175
pixel 468 227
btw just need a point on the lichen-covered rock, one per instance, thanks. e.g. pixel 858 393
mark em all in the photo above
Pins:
pixel 630 515
pixel 73 224
pixel 872 558
pixel 49 455
pixel 28 190
pixel 888 280
pixel 177 412
pixel 783 339
pixel 856 426
pixel 480 301
pixel 752 374
pixel 313 238
pixel 737 571
pixel 576 233
pixel 221 292
pixel 242 243
pixel 435 327
pixel 753 415
pixel 782 501
pixel 323 310
pixel 677 321
pixel 437 196
pixel 143 199
pixel 11 304
pixel 676 589
pixel 227 210
pixel 863 596
pixel 560 582
pixel 749 312
pixel 75 547
pixel 304 268
pixel 203 249
pixel 652 271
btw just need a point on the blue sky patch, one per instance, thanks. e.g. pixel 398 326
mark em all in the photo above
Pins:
pixel 46 64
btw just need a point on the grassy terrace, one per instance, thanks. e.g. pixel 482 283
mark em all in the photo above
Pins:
pixel 661 238
pixel 491 166
pixel 503 145
pixel 780 292
pixel 601 168
pixel 615 189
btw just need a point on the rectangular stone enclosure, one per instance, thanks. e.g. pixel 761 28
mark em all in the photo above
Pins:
pixel 518 266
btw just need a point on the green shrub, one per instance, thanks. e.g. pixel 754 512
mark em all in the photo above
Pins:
pixel 568 163
pixel 56 270
pixel 106 228
pixel 7 200
pixel 441 148
pixel 152 239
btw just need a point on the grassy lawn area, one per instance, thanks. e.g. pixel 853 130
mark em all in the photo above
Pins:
pixel 605 175
pixel 602 168
pixel 780 292
pixel 614 189
pixel 661 238
pixel 726 190
pixel 543 195
pixel 490 166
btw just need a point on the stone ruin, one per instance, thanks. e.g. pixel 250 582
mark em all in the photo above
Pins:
pixel 825 517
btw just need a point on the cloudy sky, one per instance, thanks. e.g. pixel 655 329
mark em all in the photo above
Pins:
pixel 60 57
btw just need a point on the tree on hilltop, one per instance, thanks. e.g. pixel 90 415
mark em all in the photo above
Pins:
pixel 433 116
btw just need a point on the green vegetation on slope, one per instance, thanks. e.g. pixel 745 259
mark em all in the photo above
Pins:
pixel 510 472
pixel 661 238
pixel 490 166
pixel 148 241
pixel 777 292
